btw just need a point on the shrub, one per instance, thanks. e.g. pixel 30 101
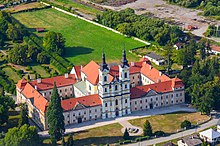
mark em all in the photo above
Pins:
pixel 186 124
pixel 159 133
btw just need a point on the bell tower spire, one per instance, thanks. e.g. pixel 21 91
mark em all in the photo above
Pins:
pixel 103 64
pixel 124 61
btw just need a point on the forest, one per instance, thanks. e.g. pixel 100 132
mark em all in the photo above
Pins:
pixel 143 27
pixel 209 7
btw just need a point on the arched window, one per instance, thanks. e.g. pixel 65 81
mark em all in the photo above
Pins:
pixel 116 87
pixel 116 102
pixel 105 78
pixel 126 75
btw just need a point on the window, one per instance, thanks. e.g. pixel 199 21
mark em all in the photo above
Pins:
pixel 116 87
pixel 171 95
pixel 171 101
pixel 176 95
pixel 161 97
pixel 151 99
pixel 105 89
pixel 146 100
pixel 89 87
pixel 166 102
pixel 65 90
pixel 106 104
pixel 156 99
pixel 50 93
pixel 126 100
pixel 133 77
pixel 167 96
pixel 126 86
pixel 181 94
pixel 89 111
pixel 140 101
pixel 135 102
pixel 95 110
pixel 116 102
pixel 105 78
pixel 126 75
pixel 84 112
pixel 60 91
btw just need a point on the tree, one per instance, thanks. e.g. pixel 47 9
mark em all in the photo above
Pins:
pixel 126 135
pixel 23 136
pixel 70 140
pixel 186 124
pixel 54 42
pixel 147 129
pixel 6 103
pixel 55 116
pixel 43 57
pixel 23 115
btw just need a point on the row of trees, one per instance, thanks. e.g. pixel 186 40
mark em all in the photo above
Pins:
pixel 28 51
pixel 144 27
pixel 210 7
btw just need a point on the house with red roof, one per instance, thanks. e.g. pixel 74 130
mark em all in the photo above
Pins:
pixel 100 91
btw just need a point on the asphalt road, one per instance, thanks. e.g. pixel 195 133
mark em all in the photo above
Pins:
pixel 177 135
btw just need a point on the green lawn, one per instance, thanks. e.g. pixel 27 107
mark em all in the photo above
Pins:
pixel 169 123
pixel 96 136
pixel 40 70
pixel 76 6
pixel 12 74
pixel 84 41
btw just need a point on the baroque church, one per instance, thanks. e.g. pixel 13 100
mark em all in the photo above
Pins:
pixel 100 91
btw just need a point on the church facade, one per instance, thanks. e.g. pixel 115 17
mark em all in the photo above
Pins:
pixel 100 91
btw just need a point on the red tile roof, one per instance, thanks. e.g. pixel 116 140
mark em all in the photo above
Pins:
pixel 21 84
pixel 78 71
pixel 215 48
pixel 39 101
pixel 135 67
pixel 161 87
pixel 87 101
pixel 153 74
pixel 91 70
pixel 48 83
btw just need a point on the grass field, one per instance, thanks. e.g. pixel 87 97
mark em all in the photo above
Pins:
pixel 97 136
pixel 84 41
pixel 40 70
pixel 169 123
pixel 25 7
pixel 12 74
pixel 76 6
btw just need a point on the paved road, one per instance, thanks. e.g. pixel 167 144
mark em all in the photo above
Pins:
pixel 178 135
pixel 134 115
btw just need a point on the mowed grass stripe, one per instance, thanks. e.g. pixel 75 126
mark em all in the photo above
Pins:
pixel 84 41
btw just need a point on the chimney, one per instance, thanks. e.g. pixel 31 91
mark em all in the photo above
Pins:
pixel 160 73
pixel 81 67
pixel 159 80
pixel 39 80
pixel 35 87
pixel 132 63
pixel 66 75
pixel 150 67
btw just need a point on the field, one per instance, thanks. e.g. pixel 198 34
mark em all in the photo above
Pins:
pixel 12 74
pixel 84 41
pixel 97 136
pixel 25 7
pixel 170 123
pixel 40 70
